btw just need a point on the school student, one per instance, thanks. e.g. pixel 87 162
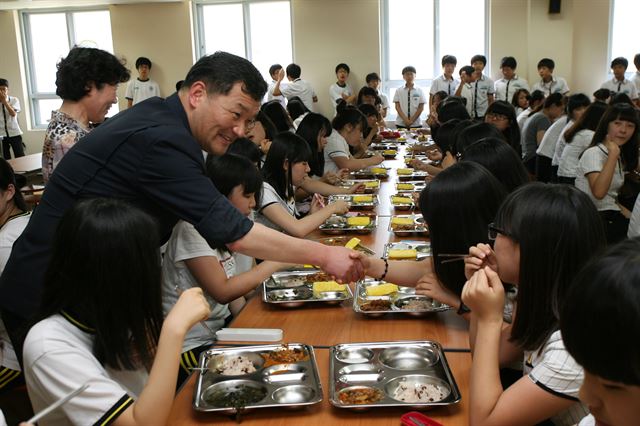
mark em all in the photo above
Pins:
pixel 483 88
pixel 576 106
pixel 347 132
pixel 536 126
pixel 602 306
pixel 636 75
pixel 465 90
pixel 445 82
pixel 543 234
pixel 273 72
pixel 409 101
pixel 10 131
pixel 507 86
pixel 502 115
pixel 142 87
pixel 341 89
pixel 373 81
pixel 284 170
pixel 548 83
pixel 295 87
pixel 619 84
pixel 190 262
pixel 101 321
pixel 261 132
pixel 578 138
pixel 520 100
pixel 600 173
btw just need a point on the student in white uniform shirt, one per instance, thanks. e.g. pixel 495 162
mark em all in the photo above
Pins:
pixel 10 132
pixel 600 173
pixel 602 306
pixel 465 88
pixel 273 72
pixel 548 83
pixel 142 87
pixel 636 75
pixel 510 83
pixel 483 88
pixel 295 87
pixel 101 321
pixel 446 82
pixel 542 267
pixel 619 84
pixel 341 89
pixel 373 81
pixel 576 106
pixel 409 101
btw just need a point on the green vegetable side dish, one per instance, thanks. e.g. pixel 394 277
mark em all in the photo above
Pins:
pixel 238 398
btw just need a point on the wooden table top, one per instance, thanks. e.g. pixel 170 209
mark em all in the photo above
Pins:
pixel 27 164
pixel 323 326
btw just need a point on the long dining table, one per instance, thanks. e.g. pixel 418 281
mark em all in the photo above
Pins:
pixel 323 326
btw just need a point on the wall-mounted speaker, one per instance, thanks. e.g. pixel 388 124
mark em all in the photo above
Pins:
pixel 554 6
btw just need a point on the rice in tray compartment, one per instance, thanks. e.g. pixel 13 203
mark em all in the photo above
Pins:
pixel 235 366
pixel 419 392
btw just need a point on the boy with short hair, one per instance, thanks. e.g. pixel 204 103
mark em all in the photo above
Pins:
pixel 619 84
pixel 142 87
pixel 549 84
pixel 465 88
pixel 483 88
pixel 510 82
pixel 341 89
pixel 373 81
pixel 273 72
pixel 409 101
pixel 10 131
pixel 445 82
pixel 296 87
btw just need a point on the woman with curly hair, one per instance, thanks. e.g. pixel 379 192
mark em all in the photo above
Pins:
pixel 86 80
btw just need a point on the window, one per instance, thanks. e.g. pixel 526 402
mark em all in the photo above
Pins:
pixel 624 15
pixel 48 37
pixel 254 29
pixel 420 32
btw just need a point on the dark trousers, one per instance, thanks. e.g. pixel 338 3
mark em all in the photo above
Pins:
pixel 543 168
pixel 15 143
pixel 615 225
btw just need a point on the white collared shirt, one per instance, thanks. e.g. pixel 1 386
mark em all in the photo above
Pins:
pixel 12 122
pixel 506 88
pixel 441 84
pixel 555 85
pixel 271 96
pixel 300 88
pixel 636 80
pixel 481 88
pixel 624 86
pixel 409 100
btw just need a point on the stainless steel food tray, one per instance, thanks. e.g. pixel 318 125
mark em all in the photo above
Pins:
pixel 387 365
pixel 418 175
pixel 402 206
pixel 342 240
pixel 416 186
pixel 291 289
pixel 419 226
pixel 397 301
pixel 284 385
pixel 349 198
pixel 422 247
pixel 337 229
pixel 367 190
pixel 369 174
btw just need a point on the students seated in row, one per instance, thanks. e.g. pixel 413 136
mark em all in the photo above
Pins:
pixel 602 306
pixel 548 83
pixel 536 126
pixel 373 81
pixel 446 82
pixel 520 100
pixel 541 264
pixel 295 87
pixel 619 84
pixel 274 70
pixel 190 262
pixel 600 173
pixel 284 170
pixel 483 88
pixel 503 116
pixel 341 89
pixel 101 321
pixel 347 126
pixel 510 83
pixel 409 101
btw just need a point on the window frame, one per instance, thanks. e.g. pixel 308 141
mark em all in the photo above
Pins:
pixel 200 48
pixel 423 83
pixel 609 73
pixel 27 43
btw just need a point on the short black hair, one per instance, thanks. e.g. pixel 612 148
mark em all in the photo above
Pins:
pixel 8 177
pixel 243 147
pixel 371 77
pixel 546 62
pixel 277 114
pixel 289 147
pixel 474 133
pixel 576 101
pixel 348 115
pixel 603 305
pixel 344 67
pixel 366 91
pixel 468 69
pixel 479 58
pixel 179 84
pixel 273 68
pixel 509 61
pixel 294 70
pixel 620 61
pixel 86 65
pixel 602 94
pixel 449 59
pixel 309 129
pixel 143 61
pixel 296 108
pixel 221 71
pixel 230 170
pixel 452 107
pixel 408 69
pixel 636 60
pixel 588 121
pixel 4 82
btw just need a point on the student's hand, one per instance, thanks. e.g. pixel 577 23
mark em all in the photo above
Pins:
pixel 417 164
pixel 434 155
pixel 265 144
pixel 479 257
pixel 3 98
pixel 613 148
pixel 377 159
pixel 281 74
pixel 429 285
pixel 339 207
pixel 344 264
pixel 317 203
pixel 343 173
pixel 357 188
pixel 407 122
pixel 190 308
pixel 345 96
pixel 484 295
